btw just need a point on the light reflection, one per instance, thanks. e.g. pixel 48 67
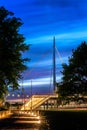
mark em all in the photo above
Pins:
pixel 38 117
pixel 34 118
pixel 39 122
pixel 32 122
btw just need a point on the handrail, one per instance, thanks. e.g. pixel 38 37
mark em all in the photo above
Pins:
pixel 40 102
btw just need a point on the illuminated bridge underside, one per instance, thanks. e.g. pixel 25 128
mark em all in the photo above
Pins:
pixel 35 101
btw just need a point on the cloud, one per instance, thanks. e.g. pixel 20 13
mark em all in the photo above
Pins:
pixel 48 39
pixel 44 19
pixel 37 82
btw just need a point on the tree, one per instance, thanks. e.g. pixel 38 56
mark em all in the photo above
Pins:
pixel 12 46
pixel 75 75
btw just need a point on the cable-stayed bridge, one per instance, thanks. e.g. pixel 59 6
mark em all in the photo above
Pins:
pixel 36 100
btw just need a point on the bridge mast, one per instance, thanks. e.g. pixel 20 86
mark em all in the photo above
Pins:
pixel 54 65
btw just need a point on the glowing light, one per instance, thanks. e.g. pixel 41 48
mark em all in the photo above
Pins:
pixel 32 113
pixel 27 95
pixel 18 95
pixel 26 104
pixel 8 94
pixel 13 95
pixel 39 122
pixel 38 117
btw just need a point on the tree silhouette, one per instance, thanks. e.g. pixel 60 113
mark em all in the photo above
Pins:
pixel 12 45
pixel 75 75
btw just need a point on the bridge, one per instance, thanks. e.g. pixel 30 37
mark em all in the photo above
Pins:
pixel 39 101
pixel 48 101
pixel 35 102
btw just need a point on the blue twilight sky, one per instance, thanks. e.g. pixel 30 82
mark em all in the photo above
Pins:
pixel 44 19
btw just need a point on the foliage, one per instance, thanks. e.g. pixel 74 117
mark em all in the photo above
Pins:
pixel 75 75
pixel 12 46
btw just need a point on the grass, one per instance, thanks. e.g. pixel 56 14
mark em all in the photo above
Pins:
pixel 66 120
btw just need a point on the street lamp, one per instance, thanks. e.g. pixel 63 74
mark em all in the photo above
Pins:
pixel 31 95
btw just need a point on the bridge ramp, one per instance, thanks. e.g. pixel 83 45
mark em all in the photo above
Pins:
pixel 35 101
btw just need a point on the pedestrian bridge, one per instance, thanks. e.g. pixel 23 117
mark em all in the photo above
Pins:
pixel 36 101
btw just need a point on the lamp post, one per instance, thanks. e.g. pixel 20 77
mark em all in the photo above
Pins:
pixel 23 98
pixel 31 95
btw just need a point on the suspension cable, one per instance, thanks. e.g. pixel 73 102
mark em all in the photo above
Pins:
pixel 59 55
pixel 44 55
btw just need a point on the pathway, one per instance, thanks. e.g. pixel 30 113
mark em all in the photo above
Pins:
pixel 22 121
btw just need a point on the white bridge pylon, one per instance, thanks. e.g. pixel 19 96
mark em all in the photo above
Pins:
pixel 36 100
